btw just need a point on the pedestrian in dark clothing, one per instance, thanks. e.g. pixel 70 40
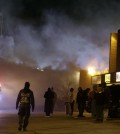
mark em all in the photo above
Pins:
pixel 87 100
pixel 107 100
pixel 54 100
pixel 100 99
pixel 79 100
pixel 82 97
pixel 107 92
pixel 86 94
pixel 25 101
pixel 93 101
pixel 48 107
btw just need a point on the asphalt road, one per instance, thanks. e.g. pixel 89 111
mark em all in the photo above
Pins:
pixel 59 123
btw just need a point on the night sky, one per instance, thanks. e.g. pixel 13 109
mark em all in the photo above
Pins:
pixel 58 32
pixel 55 34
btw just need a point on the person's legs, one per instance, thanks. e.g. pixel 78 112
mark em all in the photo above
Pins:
pixel 67 108
pixel 81 110
pixel 72 107
pixel 20 122
pixel 21 114
pixel 26 121
pixel 101 113
pixel 93 109
pixel 26 117
pixel 97 113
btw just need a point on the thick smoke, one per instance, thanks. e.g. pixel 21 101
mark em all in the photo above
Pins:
pixel 57 43
pixel 79 37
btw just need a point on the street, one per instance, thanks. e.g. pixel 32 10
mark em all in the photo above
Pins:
pixel 59 123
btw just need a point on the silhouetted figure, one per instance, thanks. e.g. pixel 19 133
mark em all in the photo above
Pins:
pixel 108 99
pixel 67 105
pixel 48 107
pixel 72 100
pixel 82 97
pixel 86 98
pixel 79 100
pixel 100 99
pixel 92 101
pixel 54 100
pixel 25 101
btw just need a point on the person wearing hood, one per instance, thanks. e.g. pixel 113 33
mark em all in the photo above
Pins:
pixel 25 101
pixel 48 106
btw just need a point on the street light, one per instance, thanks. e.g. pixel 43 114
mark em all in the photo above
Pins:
pixel 91 71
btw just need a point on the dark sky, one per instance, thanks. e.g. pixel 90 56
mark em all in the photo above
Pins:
pixel 58 32
pixel 77 9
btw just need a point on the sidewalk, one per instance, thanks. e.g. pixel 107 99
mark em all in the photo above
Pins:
pixel 58 124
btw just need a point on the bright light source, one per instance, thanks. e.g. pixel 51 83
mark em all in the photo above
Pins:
pixel 91 71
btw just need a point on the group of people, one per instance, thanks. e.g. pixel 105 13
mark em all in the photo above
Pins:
pixel 93 101
pixel 80 99
pixel 99 99
pixel 25 102
pixel 96 100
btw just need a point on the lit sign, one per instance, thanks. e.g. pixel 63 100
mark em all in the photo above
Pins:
pixel 107 78
pixel 117 76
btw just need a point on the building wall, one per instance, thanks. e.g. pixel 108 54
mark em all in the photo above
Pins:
pixel 114 61
pixel 85 79
pixel 118 53
pixel 114 56
pixel 113 52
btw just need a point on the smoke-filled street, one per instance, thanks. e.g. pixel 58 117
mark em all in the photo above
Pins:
pixel 58 124
pixel 45 42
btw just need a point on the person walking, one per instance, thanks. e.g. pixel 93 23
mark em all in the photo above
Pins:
pixel 25 101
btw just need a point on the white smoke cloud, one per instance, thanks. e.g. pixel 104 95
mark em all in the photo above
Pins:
pixel 59 42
